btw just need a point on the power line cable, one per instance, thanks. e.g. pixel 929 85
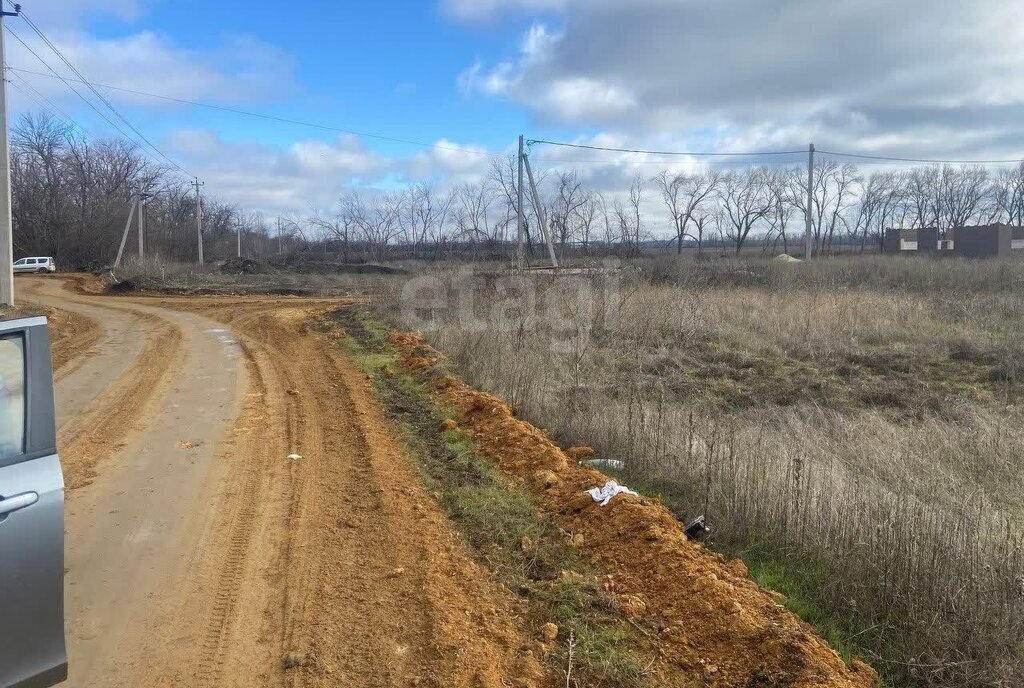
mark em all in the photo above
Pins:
pixel 884 158
pixel 755 154
pixel 18 87
pixel 99 95
pixel 655 152
pixel 88 102
pixel 45 102
pixel 717 163
pixel 283 120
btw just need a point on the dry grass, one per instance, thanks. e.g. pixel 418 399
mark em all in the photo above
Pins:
pixel 161 276
pixel 852 423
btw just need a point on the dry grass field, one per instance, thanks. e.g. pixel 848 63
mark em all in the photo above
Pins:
pixel 850 427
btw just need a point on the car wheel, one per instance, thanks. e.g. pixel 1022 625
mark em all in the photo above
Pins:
pixel 41 271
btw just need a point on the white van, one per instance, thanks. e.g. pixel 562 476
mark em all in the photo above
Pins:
pixel 35 265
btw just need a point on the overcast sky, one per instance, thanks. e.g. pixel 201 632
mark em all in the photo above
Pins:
pixel 911 78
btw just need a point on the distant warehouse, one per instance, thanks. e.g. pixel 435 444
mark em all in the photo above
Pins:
pixel 985 241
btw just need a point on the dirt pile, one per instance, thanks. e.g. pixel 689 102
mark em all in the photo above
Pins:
pixel 715 625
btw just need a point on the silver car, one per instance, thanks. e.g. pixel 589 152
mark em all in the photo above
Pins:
pixel 32 652
pixel 36 264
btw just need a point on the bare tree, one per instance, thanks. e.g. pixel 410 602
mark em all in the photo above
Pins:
pixel 629 217
pixel 746 199
pixel 569 197
pixel 1009 195
pixel 376 224
pixel 964 193
pixel 588 213
pixel 782 210
pixel 420 214
pixel 685 196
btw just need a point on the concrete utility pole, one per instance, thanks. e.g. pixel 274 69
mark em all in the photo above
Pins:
pixel 280 241
pixel 199 220
pixel 542 220
pixel 142 225
pixel 808 222
pixel 6 228
pixel 124 236
pixel 239 239
pixel 519 210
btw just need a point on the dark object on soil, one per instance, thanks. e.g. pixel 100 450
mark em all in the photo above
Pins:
pixel 124 286
pixel 293 659
pixel 367 269
pixel 697 529
pixel 241 266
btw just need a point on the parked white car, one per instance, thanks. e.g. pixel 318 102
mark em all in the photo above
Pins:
pixel 35 265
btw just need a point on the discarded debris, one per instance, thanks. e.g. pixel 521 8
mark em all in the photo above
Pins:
pixel 697 529
pixel 612 464
pixel 610 489
pixel 295 457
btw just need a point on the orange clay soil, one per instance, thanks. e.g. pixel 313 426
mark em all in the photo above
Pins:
pixel 717 626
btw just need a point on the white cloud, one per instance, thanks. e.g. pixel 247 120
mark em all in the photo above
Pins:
pixel 578 98
pixel 241 69
pixel 776 72
pixel 347 156
pixel 313 173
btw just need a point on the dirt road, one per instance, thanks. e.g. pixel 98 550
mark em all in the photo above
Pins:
pixel 200 553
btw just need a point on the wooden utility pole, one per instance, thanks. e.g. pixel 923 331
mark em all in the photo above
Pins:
pixel 199 220
pixel 808 221
pixel 6 225
pixel 520 220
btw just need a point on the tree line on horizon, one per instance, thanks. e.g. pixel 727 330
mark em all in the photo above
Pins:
pixel 71 198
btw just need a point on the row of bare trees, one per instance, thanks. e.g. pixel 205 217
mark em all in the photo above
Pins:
pixel 71 198
pixel 846 204
pixel 723 208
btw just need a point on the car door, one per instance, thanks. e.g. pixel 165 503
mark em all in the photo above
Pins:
pixel 32 652
pixel 19 264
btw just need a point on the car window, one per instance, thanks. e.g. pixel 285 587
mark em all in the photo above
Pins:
pixel 20 261
pixel 12 396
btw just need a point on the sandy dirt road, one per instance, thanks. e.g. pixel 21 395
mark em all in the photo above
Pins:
pixel 200 554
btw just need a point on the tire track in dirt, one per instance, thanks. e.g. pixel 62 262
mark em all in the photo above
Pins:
pixel 146 411
pixel 336 568
pixel 72 334
pixel 109 378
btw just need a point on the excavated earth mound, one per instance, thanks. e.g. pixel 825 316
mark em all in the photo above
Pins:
pixel 716 626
